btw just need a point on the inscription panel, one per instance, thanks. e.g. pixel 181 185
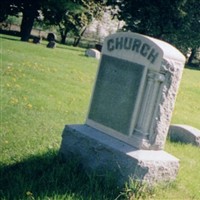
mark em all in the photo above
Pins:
pixel 115 93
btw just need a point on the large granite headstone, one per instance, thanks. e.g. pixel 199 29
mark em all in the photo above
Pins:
pixel 130 110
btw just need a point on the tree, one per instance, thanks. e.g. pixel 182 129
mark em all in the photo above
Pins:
pixel 59 13
pixel 93 10
pixel 175 21
pixel 29 10
pixel 103 26
pixel 5 9
pixel 189 35
pixel 70 16
pixel 155 18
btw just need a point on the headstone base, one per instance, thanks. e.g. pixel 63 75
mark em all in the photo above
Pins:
pixel 102 153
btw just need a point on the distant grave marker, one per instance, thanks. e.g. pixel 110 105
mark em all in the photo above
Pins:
pixel 51 38
pixel 185 134
pixel 93 53
pixel 37 40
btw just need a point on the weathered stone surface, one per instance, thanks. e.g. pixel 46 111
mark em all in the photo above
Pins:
pixel 103 153
pixel 172 71
pixel 185 134
pixel 93 53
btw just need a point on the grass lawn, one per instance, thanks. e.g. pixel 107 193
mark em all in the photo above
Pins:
pixel 42 90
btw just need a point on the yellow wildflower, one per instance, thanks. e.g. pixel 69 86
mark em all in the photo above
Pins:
pixel 17 86
pixel 14 101
pixel 29 106
pixel 25 98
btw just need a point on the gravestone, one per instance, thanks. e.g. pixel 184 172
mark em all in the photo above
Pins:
pixel 51 37
pixel 130 111
pixel 93 53
pixel 51 44
pixel 37 40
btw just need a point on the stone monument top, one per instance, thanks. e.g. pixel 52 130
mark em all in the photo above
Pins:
pixel 135 90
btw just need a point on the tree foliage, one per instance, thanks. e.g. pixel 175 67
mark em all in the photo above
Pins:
pixel 58 13
pixel 103 26
pixel 189 34
pixel 29 10
pixel 70 16
pixel 7 7
pixel 93 10
pixel 175 21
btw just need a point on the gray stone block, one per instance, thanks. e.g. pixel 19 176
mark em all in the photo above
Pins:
pixel 103 153
pixel 93 53
pixel 185 134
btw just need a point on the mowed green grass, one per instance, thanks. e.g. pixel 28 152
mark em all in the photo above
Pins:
pixel 187 111
pixel 42 90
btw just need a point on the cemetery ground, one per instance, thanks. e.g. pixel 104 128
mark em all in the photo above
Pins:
pixel 42 90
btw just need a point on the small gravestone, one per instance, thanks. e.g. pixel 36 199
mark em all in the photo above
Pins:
pixel 93 53
pixel 98 47
pixel 130 111
pixel 51 38
pixel 51 44
pixel 37 40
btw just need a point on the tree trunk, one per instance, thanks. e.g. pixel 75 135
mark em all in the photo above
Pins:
pixel 192 55
pixel 26 26
pixel 30 12
pixel 77 39
pixel 63 34
pixel 63 38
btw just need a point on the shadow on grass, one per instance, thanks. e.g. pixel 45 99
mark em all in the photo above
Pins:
pixel 193 67
pixel 16 38
pixel 50 177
